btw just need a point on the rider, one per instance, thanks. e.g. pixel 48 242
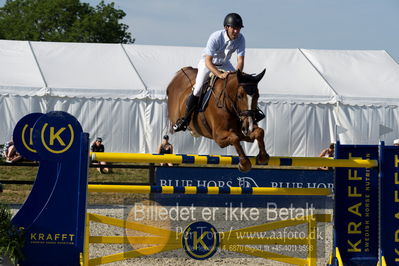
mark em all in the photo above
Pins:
pixel 216 59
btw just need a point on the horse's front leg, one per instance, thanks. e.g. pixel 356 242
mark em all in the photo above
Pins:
pixel 258 133
pixel 227 138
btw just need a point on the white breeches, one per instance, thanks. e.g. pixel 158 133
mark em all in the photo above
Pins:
pixel 203 74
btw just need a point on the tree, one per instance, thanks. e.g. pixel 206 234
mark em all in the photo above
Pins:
pixel 62 21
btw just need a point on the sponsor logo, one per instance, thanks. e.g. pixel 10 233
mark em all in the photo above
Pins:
pixel 200 240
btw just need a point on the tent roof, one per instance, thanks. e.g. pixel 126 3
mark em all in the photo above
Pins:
pixel 144 71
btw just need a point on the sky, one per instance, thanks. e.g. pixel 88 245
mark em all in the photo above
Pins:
pixel 309 24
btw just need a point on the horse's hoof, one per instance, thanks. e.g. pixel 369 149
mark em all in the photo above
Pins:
pixel 264 160
pixel 244 165
pixel 243 169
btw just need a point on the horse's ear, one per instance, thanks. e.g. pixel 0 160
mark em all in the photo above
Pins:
pixel 239 76
pixel 260 75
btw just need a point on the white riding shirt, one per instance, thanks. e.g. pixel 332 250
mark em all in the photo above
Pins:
pixel 220 47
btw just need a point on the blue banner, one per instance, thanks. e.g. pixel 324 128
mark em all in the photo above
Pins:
pixel 389 162
pixel 231 177
pixel 356 207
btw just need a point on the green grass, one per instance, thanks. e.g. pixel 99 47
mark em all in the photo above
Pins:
pixel 16 194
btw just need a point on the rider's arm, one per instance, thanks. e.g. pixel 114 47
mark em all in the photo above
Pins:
pixel 241 53
pixel 240 63
pixel 213 69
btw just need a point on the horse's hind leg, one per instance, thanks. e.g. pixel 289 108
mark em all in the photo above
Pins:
pixel 227 138
pixel 259 134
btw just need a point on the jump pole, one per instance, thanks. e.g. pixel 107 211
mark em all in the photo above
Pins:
pixel 210 190
pixel 191 159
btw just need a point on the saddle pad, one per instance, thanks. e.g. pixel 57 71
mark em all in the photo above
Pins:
pixel 205 96
pixel 205 100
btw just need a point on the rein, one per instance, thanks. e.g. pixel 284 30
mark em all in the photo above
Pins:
pixel 184 72
pixel 238 113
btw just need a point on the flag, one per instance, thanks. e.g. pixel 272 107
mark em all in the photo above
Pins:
pixel 384 130
pixel 339 129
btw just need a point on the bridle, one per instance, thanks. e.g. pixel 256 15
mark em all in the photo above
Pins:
pixel 250 89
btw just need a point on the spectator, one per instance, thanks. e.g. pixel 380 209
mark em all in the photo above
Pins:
pixel 11 153
pixel 396 142
pixel 328 152
pixel 165 148
pixel 97 146
pixel 5 149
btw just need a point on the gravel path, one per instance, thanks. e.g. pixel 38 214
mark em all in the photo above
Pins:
pixel 222 257
pixel 179 257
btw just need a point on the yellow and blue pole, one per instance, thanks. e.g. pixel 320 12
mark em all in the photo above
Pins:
pixel 230 160
pixel 144 189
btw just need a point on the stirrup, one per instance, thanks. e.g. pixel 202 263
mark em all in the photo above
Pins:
pixel 180 125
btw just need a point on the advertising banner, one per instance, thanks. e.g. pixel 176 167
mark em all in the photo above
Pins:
pixel 356 207
pixel 231 177
pixel 389 161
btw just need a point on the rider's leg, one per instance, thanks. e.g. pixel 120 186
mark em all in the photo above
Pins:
pixel 202 75
pixel 183 122
pixel 192 101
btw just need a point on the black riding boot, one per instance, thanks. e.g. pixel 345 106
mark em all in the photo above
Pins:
pixel 183 122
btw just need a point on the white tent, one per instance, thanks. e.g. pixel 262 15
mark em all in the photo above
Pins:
pixel 117 92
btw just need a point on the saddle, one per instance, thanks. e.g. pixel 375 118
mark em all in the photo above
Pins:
pixel 207 88
pixel 206 91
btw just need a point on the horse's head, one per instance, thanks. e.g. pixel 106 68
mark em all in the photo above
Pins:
pixel 247 99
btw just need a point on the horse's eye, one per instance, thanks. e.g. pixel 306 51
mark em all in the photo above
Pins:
pixel 239 96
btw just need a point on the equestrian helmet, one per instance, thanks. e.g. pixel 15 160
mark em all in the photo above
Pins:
pixel 233 20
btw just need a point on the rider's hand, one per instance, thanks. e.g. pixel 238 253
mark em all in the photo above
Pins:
pixel 223 75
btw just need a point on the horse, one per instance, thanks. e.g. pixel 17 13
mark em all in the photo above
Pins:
pixel 229 115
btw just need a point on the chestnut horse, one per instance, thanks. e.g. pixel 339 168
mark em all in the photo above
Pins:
pixel 229 115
